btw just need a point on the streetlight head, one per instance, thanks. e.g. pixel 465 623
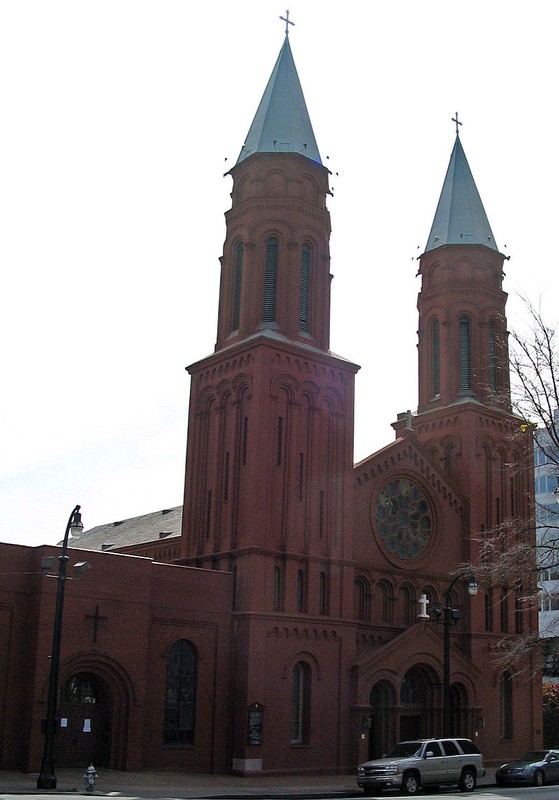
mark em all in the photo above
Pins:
pixel 472 586
pixel 76 526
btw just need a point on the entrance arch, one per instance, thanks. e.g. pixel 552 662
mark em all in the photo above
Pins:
pixel 85 711
pixel 83 678
pixel 381 731
pixel 419 709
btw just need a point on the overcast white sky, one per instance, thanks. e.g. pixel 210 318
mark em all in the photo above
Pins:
pixel 117 118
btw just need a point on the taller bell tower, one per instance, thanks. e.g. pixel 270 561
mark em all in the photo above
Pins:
pixel 270 438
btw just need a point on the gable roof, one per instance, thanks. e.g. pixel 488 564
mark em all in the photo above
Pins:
pixel 282 122
pixel 153 527
pixel 460 217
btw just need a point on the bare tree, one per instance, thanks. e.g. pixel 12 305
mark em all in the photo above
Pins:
pixel 510 559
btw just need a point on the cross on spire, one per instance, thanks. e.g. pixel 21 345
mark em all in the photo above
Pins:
pixel 287 22
pixel 457 121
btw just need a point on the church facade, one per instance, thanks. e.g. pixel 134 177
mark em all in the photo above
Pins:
pixel 312 612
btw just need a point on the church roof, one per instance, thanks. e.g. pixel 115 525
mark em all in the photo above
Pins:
pixel 282 122
pixel 460 217
pixel 152 527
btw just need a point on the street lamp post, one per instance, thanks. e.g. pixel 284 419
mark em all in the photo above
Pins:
pixel 451 615
pixel 47 778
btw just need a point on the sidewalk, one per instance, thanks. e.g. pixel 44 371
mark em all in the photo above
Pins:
pixel 181 785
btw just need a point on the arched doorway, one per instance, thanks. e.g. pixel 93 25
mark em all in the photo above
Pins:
pixel 418 713
pixel 381 731
pixel 84 733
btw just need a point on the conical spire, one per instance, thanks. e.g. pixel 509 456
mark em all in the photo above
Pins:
pixel 282 122
pixel 460 217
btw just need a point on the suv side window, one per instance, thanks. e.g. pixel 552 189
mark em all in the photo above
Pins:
pixel 468 746
pixel 433 747
pixel 450 748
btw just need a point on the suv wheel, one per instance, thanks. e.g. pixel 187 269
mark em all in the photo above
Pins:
pixel 468 780
pixel 410 783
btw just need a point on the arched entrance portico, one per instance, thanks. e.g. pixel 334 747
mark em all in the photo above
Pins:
pixel 413 712
pixel 419 703
pixel 96 696
pixel 85 712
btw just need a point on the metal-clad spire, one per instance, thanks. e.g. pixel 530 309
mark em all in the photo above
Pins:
pixel 460 217
pixel 282 122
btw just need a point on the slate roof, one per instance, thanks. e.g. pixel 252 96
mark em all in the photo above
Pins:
pixel 282 122
pixel 153 527
pixel 460 217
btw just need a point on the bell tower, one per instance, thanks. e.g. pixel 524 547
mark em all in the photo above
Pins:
pixel 270 440
pixel 464 413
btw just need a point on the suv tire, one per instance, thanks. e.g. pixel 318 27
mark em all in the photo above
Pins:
pixel 410 783
pixel 468 780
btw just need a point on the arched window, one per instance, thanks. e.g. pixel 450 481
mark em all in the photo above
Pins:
pixel 435 358
pixel 237 281
pixel 409 610
pixel 270 279
pixel 506 706
pixel 465 355
pixel 362 608
pixel 180 694
pixel 385 592
pixel 300 703
pixel 304 292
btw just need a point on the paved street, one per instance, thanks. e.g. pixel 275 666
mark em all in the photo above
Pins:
pixel 178 785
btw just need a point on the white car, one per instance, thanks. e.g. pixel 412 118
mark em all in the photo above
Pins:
pixel 412 765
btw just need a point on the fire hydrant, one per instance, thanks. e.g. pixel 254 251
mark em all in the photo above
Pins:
pixel 89 778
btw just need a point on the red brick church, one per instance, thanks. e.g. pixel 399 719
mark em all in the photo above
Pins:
pixel 283 625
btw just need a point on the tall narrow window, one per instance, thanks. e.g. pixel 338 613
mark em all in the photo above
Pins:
pixel 506 706
pixel 362 602
pixel 270 279
pixel 277 588
pixel 504 608
pixel 304 294
pixel 489 610
pixel 300 703
pixel 492 356
pixel 226 478
pixel 237 282
pixel 322 600
pixel 180 694
pixel 518 612
pixel 436 357
pixel 465 356
pixel 300 591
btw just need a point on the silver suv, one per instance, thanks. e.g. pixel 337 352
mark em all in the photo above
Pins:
pixel 412 765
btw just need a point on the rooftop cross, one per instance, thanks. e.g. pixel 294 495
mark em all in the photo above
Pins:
pixel 457 121
pixel 287 22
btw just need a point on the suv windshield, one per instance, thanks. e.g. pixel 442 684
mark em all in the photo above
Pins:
pixel 405 750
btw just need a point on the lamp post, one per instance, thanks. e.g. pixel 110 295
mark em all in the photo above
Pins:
pixel 451 615
pixel 47 778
